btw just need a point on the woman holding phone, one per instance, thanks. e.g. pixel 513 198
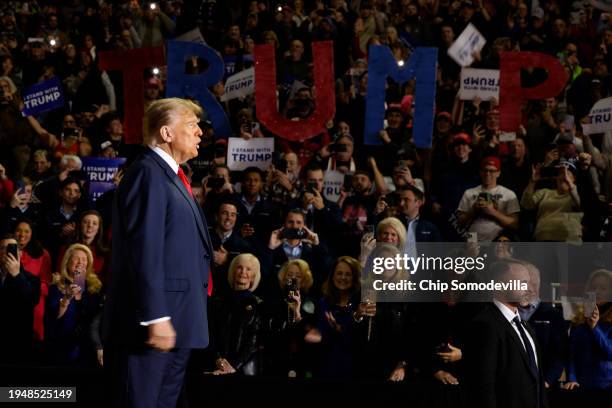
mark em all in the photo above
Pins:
pixel 90 232
pixel 36 260
pixel 21 206
pixel 74 300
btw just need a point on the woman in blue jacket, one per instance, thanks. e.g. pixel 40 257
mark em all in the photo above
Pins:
pixel 590 360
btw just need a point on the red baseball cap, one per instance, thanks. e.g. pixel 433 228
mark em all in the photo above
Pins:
pixel 491 161
pixel 462 138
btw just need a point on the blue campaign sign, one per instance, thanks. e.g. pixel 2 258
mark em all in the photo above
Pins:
pixel 100 174
pixel 43 97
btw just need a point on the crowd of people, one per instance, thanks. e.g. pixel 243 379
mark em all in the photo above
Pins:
pixel 288 260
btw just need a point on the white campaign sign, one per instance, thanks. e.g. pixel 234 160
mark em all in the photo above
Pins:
pixel 507 136
pixel 600 117
pixel 332 183
pixel 255 152
pixel 194 36
pixel 469 42
pixel 239 85
pixel 479 83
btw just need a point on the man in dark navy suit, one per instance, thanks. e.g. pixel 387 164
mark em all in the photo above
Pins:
pixel 155 313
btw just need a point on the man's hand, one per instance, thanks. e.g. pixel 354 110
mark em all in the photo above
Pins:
pixel 100 357
pixel 18 200
pixel 406 175
pixel 246 230
pixel 571 385
pixel 486 207
pixel 275 239
pixel 68 229
pixel 317 200
pixel 381 205
pixel 2 172
pixel 220 256
pixel 282 179
pixel 162 336
pixel 398 374
pixel 311 237
pixel 550 157
pixel 451 356
pixel 223 367
pixel 478 132
pixel 324 152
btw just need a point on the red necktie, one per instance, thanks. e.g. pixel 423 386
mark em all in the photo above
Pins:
pixel 183 178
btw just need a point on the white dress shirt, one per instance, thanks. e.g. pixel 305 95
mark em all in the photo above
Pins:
pixel 509 315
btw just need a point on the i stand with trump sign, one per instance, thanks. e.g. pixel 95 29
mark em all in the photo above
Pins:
pixel 255 152
pixel 43 97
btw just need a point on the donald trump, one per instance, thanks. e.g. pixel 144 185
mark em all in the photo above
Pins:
pixel 155 312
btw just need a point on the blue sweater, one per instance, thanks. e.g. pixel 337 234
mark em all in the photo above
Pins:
pixel 590 362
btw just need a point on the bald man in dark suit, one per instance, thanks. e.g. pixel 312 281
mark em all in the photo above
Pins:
pixel 504 365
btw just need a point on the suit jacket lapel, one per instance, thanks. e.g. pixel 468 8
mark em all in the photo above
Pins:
pixel 174 178
pixel 514 336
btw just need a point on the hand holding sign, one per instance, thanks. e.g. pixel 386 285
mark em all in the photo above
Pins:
pixel 469 42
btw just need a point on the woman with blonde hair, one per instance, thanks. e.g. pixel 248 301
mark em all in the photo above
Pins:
pixel 290 318
pixel 237 320
pixel 590 358
pixel 384 329
pixel 389 230
pixel 298 270
pixel 74 299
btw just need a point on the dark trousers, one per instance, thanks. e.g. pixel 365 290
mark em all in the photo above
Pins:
pixel 145 378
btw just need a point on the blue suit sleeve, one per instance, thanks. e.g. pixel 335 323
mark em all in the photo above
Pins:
pixel 145 209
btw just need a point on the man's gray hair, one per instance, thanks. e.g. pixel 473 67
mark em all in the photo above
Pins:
pixel 160 113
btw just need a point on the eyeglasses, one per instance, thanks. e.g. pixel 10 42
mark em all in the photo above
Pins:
pixel 489 171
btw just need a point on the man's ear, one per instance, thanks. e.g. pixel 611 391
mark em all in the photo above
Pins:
pixel 166 134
